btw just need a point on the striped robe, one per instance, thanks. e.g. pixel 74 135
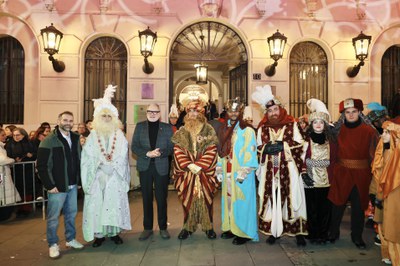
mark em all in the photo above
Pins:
pixel 196 191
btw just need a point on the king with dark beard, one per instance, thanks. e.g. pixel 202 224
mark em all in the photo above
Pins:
pixel 195 157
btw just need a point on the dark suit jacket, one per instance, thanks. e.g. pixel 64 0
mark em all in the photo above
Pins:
pixel 141 145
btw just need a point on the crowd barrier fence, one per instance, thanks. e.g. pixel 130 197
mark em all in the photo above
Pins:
pixel 28 185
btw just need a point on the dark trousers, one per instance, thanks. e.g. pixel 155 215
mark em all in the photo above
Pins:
pixel 147 178
pixel 357 217
pixel 318 212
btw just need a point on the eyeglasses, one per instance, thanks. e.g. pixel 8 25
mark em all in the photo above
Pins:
pixel 152 112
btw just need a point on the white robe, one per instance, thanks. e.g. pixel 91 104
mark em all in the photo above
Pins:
pixel 106 194
pixel 8 192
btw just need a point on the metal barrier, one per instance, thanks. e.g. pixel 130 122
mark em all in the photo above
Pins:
pixel 26 183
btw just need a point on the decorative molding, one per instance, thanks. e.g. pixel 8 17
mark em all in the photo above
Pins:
pixel 311 7
pixel 210 8
pixel 261 6
pixel 361 6
pixel 3 3
pixel 50 5
pixel 104 5
pixel 157 7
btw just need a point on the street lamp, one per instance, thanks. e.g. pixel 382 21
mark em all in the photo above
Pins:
pixel 276 44
pixel 361 44
pixel 51 41
pixel 147 40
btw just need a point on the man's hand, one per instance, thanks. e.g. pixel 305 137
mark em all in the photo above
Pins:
pixel 195 169
pixel 372 198
pixel 242 174
pixel 154 153
pixel 53 191
pixel 218 170
pixel 307 180
pixel 273 148
pixel 107 169
pixel 379 204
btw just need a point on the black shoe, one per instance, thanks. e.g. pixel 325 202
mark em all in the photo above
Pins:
pixel 239 240
pixel 313 241
pixel 227 235
pixel 98 242
pixel 211 234
pixel 369 223
pixel 184 234
pixel 332 238
pixel 300 241
pixel 377 240
pixel 271 240
pixel 359 243
pixel 117 240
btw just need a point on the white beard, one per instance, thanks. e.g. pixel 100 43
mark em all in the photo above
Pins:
pixel 105 129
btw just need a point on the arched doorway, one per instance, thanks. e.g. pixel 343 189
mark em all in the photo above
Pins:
pixel 12 71
pixel 216 45
pixel 391 80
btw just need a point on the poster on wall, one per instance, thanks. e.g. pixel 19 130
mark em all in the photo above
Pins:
pixel 139 113
pixel 147 91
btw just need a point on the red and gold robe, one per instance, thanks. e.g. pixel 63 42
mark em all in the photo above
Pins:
pixel 196 191
pixel 356 147
pixel 282 208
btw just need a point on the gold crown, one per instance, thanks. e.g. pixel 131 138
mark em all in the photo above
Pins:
pixel 234 105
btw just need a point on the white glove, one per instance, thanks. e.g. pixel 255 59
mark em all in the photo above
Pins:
pixel 194 168
pixel 242 174
pixel 107 169
pixel 220 177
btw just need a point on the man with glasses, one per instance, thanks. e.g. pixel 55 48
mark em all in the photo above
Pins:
pixel 58 165
pixel 151 142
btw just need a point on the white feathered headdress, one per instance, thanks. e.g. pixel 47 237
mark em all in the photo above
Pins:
pixel 105 102
pixel 263 96
pixel 173 111
pixel 248 113
pixel 318 110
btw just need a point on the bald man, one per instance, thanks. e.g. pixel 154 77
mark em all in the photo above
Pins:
pixel 151 142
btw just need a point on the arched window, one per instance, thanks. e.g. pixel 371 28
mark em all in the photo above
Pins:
pixel 308 76
pixel 391 80
pixel 12 69
pixel 105 63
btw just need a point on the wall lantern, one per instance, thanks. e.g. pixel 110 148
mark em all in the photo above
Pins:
pixel 51 40
pixel 147 40
pixel 201 73
pixel 276 44
pixel 361 44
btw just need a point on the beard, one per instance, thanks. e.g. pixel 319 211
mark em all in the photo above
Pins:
pixel 274 119
pixel 194 125
pixel 105 129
